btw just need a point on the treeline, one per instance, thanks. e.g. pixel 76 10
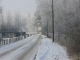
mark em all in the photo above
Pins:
pixel 44 11
pixel 66 22
pixel 13 23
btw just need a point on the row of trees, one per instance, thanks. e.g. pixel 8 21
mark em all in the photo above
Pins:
pixel 64 12
pixel 44 11
pixel 66 21
pixel 13 23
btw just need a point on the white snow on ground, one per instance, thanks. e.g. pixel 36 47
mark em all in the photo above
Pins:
pixel 51 51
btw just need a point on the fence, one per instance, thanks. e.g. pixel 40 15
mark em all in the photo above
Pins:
pixel 6 41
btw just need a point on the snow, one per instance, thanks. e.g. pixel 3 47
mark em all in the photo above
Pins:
pixel 18 52
pixel 14 45
pixel 48 50
pixel 51 51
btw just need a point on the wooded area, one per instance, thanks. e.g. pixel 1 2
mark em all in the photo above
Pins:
pixel 66 22
pixel 11 22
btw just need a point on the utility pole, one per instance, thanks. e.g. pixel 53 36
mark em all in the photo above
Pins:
pixel 52 21
pixel 47 28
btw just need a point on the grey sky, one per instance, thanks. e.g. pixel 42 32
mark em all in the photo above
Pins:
pixel 22 6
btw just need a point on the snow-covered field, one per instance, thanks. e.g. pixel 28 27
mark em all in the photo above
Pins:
pixel 51 51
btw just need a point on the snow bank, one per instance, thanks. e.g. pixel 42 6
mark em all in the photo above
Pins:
pixel 51 51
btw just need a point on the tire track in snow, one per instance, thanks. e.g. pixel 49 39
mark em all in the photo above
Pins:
pixel 47 53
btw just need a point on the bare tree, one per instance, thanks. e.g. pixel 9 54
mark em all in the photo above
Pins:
pixel 44 10
pixel 19 22
pixel 9 22
pixel 1 13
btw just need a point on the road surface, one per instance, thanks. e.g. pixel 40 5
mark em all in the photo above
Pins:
pixel 25 52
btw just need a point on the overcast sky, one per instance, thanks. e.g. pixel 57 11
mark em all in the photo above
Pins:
pixel 21 6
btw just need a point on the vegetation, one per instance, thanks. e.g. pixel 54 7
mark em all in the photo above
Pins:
pixel 66 20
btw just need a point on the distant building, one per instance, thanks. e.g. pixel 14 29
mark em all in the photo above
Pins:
pixel 12 34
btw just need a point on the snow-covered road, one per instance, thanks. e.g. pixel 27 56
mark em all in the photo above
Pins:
pixel 20 52
pixel 8 48
pixel 33 48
